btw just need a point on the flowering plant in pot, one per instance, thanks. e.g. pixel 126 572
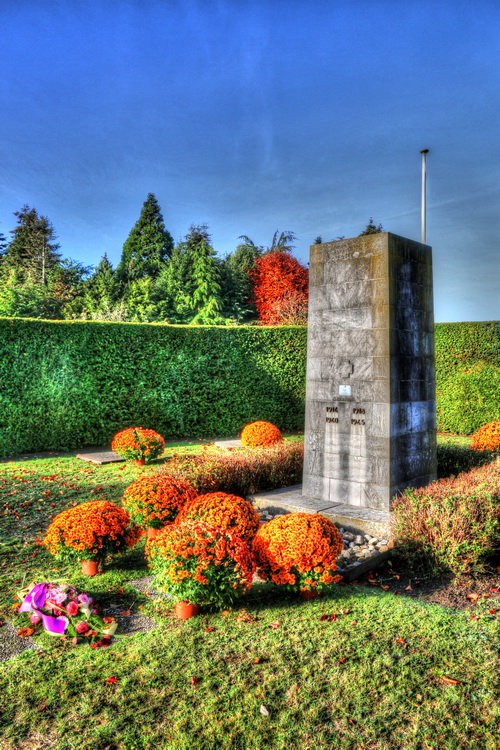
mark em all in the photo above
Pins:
pixel 156 500
pixel 199 563
pixel 138 443
pixel 64 611
pixel 260 434
pixel 225 511
pixel 298 551
pixel 91 531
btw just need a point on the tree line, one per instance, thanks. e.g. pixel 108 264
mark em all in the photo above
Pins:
pixel 156 280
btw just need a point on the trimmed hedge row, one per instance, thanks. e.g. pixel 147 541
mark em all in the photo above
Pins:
pixel 66 384
pixel 467 375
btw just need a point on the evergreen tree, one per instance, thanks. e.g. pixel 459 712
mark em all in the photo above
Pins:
pixel 148 246
pixel 371 228
pixel 236 284
pixel 33 251
pixel 206 301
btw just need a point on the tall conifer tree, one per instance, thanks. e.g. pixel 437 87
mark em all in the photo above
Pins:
pixel 148 246
pixel 33 252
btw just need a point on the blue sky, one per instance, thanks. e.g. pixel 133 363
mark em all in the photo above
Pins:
pixel 257 115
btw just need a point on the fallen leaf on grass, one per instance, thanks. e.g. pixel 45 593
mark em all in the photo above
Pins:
pixel 474 617
pixel 264 711
pixel 323 618
pixel 450 680
pixel 333 617
pixel 351 721
pixel 226 612
pixel 354 622
pixel 402 641
pixel 208 630
pixel 494 589
pixel 275 624
pixel 342 659
pixel 25 632
pixel 194 681
pixel 125 613
pixel 490 612
pixel 256 660
pixel 408 588
pixel 244 617
pixel 112 679
pixel 473 597
pixel 397 593
pixel 385 588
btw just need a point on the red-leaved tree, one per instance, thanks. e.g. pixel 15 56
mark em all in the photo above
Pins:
pixel 280 285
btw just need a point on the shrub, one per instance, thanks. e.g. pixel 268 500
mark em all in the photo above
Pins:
pixel 91 531
pixel 241 472
pixel 138 443
pixel 455 459
pixel 260 435
pixel 487 438
pixel 223 511
pixel 452 525
pixel 156 500
pixel 200 563
pixel 298 551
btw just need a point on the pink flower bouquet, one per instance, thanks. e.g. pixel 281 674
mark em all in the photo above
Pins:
pixel 63 611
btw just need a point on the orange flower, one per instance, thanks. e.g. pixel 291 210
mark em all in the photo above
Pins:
pixel 90 530
pixel 189 561
pixel 156 500
pixel 487 438
pixel 298 550
pixel 136 442
pixel 260 434
pixel 224 511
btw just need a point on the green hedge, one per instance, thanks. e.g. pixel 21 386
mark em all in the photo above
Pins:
pixel 467 375
pixel 66 384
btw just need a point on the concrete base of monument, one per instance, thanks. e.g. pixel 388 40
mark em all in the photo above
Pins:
pixel 350 517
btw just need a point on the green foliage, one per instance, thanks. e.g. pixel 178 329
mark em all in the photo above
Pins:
pixel 371 228
pixel 467 375
pixel 452 525
pixel 455 459
pixel 66 384
pixel 33 250
pixel 148 245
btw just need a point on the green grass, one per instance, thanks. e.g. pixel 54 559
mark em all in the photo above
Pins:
pixel 371 680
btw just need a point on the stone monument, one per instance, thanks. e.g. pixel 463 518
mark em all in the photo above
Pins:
pixel 370 428
pixel 370 401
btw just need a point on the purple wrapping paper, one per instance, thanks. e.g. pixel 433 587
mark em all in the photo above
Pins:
pixel 34 601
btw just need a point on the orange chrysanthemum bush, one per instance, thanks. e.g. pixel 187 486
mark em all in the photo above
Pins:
pixel 138 443
pixel 156 500
pixel 200 563
pixel 91 531
pixel 298 551
pixel 260 434
pixel 487 438
pixel 224 511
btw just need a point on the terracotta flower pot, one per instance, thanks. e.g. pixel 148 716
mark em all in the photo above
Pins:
pixel 139 461
pixel 152 532
pixel 89 568
pixel 184 610
pixel 306 595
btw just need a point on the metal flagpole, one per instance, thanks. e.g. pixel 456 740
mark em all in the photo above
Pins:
pixel 424 153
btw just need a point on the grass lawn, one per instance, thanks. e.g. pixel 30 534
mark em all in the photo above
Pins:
pixel 387 673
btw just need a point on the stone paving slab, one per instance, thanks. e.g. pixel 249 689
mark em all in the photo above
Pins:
pixel 104 457
pixel 228 444
pixel 351 517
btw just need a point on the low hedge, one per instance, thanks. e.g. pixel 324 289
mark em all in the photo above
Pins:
pixel 467 375
pixel 66 384
pixel 452 525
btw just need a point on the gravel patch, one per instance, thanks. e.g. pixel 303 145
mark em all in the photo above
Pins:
pixel 11 644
